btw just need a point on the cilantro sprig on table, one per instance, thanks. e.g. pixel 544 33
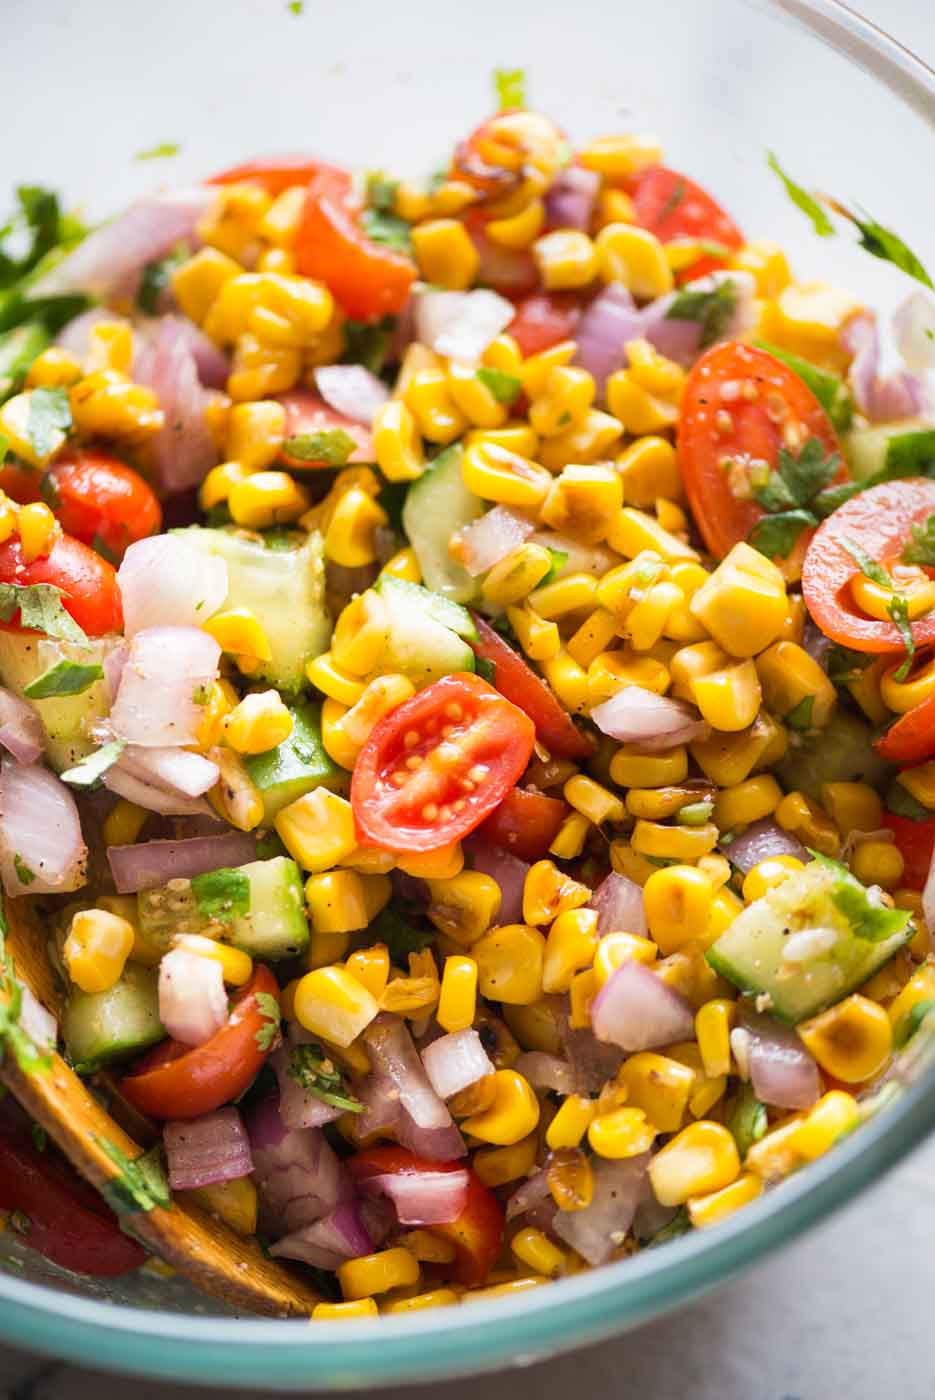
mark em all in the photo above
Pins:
pixel 791 496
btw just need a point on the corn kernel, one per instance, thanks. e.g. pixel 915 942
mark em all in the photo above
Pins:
pixel 702 1158
pixel 383 695
pixel 341 901
pixel 592 800
pixel 540 640
pixel 630 768
pixel 570 837
pixel 678 903
pixel 516 574
pixel 743 603
pixel 616 948
pixel 798 814
pixel 55 368
pixel 570 1123
pixel 325 676
pixel 592 439
pixel 878 863
pixel 568 680
pixel 509 964
pixel 428 1247
pixel 267 498
pixel 497 1165
pixel 458 999
pixel 123 823
pixel 236 965
pixel 360 634
pixel 747 802
pixel 371 967
pixel 568 394
pixel 513 1114
pixel 717 1205
pixel 791 679
pixel 96 949
pixel 658 1085
pixel 317 829
pixel 445 254
pixel 729 698
pixel 635 257
pixel 624 1132
pixel 536 369
pixel 851 1041
pixel 260 722
pixel 464 906
pixel 766 263
pixel 377 1273
pixel 255 433
pixel 673 842
pixel 197 282
pixel 617 157
pixel 330 1002
pixel 496 474
pixel 833 1117
pixel 566 259
pixel 570 947
pixel 444 863
pixel 235 797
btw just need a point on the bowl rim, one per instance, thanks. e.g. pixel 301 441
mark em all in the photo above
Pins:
pixel 285 1355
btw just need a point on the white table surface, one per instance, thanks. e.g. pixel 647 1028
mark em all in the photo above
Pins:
pixel 846 1312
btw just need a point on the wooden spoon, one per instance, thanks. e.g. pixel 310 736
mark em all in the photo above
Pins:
pixel 209 1254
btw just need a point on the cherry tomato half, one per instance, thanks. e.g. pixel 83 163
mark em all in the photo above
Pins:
pixel 544 319
pixel 88 583
pixel 525 823
pixel 102 502
pixel 22 484
pixel 181 1081
pixel 472 746
pixel 68 1221
pixel 916 841
pixel 714 427
pixel 912 738
pixel 672 206
pixel 274 173
pixel 476 1234
pixel 368 279
pixel 513 678
pixel 307 413
pixel 878 521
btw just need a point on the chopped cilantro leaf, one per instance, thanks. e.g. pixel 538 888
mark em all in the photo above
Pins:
pixel 49 416
pixel 387 228
pixel 29 1057
pixel 64 678
pixel 911 1022
pixel 898 610
pixel 222 894
pixel 799 717
pixel 510 84
pixel 39 606
pixel 748 1121
pixel 869 920
pixel 333 447
pixel 23 872
pixel 504 387
pixel 381 192
pixel 399 935
pixel 803 200
pixel 159 152
pixel 884 243
pixel 156 277
pixel 712 309
pixel 141 1184
pixel 775 535
pixel 368 343
pixel 868 566
pixel 91 769
pixel 902 804
pixel 921 547
pixel 843 664
pixel 797 479
pixel 559 559
pixel 310 1067
pixel 268 1007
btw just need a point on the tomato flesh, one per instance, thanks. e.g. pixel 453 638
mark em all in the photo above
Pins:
pixel 916 841
pixel 102 502
pixel 525 824
pixel 88 582
pixel 751 429
pixel 178 1081
pixel 672 206
pixel 306 413
pixel 544 319
pixel 432 769
pixel 879 521
pixel 912 738
pixel 274 173
pixel 514 679
pixel 476 1234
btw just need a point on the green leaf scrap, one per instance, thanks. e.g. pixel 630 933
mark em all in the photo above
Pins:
pixel 799 717
pixel 868 920
pixel 803 200
pixel 159 152
pixel 333 447
pixel 30 1059
pixel 921 547
pixel 64 678
pixel 388 229
pixel 24 874
pixel 884 243
pixel 89 770
pixel 712 309
pixel 40 606
pixel 505 388
pixel 49 415
pixel 310 1067
pixel 399 935
pixel 141 1185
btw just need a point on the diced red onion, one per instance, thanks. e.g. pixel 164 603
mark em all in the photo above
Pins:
pixel 192 999
pixel 298 1177
pixel 815 642
pixel 327 1243
pixel 108 263
pixel 149 864
pixel 379 1218
pixel 212 364
pixel 881 398
pixel 38 1023
pixel 461 325
pixel 511 271
pixel 608 323
pixel 928 899
pixel 205 1151
pixel 155 705
pixel 601 1227
pixel 914 331
pixel 420 1198
pixel 298 1107
pixel 492 538
pixel 509 872
pixel 352 390
pixel 40 832
pixel 382 1109
pixel 113 664
pixel 636 1010
pixel 650 1216
pixel 165 581
pixel 152 797
pixel 21 730
pixel 763 840
pixel 592 1062
pixel 580 558
pixel 652 722
pixel 184 450
pixel 425 1124
pixel 782 1072
pixel 455 1061
pixel 619 904
pixel 570 200
pixel 176 770
pixel 544 1071
pixel 529 1194
pixel 680 340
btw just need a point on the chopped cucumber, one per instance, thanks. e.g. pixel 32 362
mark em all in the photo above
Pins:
pixel 418 645
pixel 867 449
pixel 436 506
pixel 99 1027
pixel 284 587
pixel 24 656
pixel 432 605
pixel 842 752
pixel 297 765
pixel 829 389
pixel 823 896
pixel 257 907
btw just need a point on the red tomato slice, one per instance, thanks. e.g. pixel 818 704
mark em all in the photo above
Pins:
pixel 915 840
pixel 21 484
pixel 514 679
pixel 306 413
pixel 68 1221
pixel 751 430
pixel 274 173
pixel 102 502
pixel 472 746
pixel 672 206
pixel 912 738
pixel 178 1081
pixel 88 583
pixel 525 824
pixel 510 271
pixel 544 319
pixel 879 521
pixel 476 1234
pixel 368 279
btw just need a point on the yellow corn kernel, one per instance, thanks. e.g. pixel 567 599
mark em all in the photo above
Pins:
pixel 851 1041
pixel 592 800
pixel 276 260
pixel 445 254
pixel 534 1248
pixel 768 874
pixel 791 678
pixel 807 318
pixel 290 311
pixel 729 698
pixel 123 823
pixel 435 410
pixel 635 257
pixel 261 369
pixel 444 863
pixel 630 768
pixel 473 397
pixel 219 483
pixel 619 947
pixel 570 837
pixel 658 1085
pixel 878 863
pixel 110 346
pixel 568 394
pixel 648 469
pixel 834 1115
pixel 235 797
pixel 417 994
pixel 593 636
pixel 568 680
pixel 497 1165
pixel 584 988
pixel 521 229
pixel 631 531
pixel 515 575
pixel 717 868
pixel 613 207
pixel 570 947
pixel 279 225
pixel 38 530
pixel 336 900
pixel 718 1205
pixel 496 474
pixel 570 1123
pixel 323 950
pixel 239 632
pixel 912 586
pixel 920 987
pixel 504 354
pixel 411 203
pixel 537 1026
pixel 236 966
pixel 235 1202
pixel 537 368
pixel 624 1132
pixel 747 802
pixel 420 1302
pixel 55 368
pixel 684 843
pixel 378 1273
pixel 918 781
pixel 509 964
pixel 325 676
pixel 341 1312
pixel 260 722
pixel 267 498
pixel 197 282
pixel 616 157
pixel 658 803
pixel 255 433
pixel 743 603
pixel 690 663
pixel 570 1179
pixel 371 967
pixel 852 806
pixel 383 695
pixel 106 403
pixel 800 815
pixel 582 501
pixel 727 759
pixel 511 1116
pixel 97 948
pixel 566 595
pixel 653 371
pixel 397 444
pixel 14 425
pixel 457 1002
pixel 648 618
pixel 713 1023
pixel 464 906
pixel 539 639
pixel 360 634
pixel 330 1002
pixel 701 1159
pixel 221 699
pixel 566 258
pixel 428 1247
pixel 612 670
pixel 678 903
pixel 638 410
pixel 317 829
pixel 592 439
pixel 766 263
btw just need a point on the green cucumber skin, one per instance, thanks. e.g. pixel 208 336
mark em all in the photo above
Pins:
pixel 101 1027
pixel 298 765
pixel 444 611
pixel 436 506
pixel 67 719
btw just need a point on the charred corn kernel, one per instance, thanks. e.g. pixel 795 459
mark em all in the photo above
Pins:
pixel 534 1248
pixel 701 1159
pixel 537 1026
pixel 730 698
pixel 673 842
pixel 766 263
pixel 570 1123
pixel 97 948
pixel 336 901
pixel 659 1086
pixel 521 229
pixel 236 966
pixel 593 636
pixel 592 439
pixel 55 368
pixel 330 1002
pixel 619 947
pixel 220 481
pixel 442 864
pixel 235 797
pixel 798 814
pixel 624 1132
pixel 570 1179
pixel 678 903
pixel 767 874
pixel 476 1098
pixel 539 639
pixel 649 469
pixel 377 1273
pixel 713 1023
pixel 566 595
pixel 464 906
pixel 235 1202
pixel 513 1114
pixel 584 988
pixel 630 768
pixel 325 676
pixel 239 632
pixel 920 987
pixel 14 425
pixel 568 394
pixel 852 1041
pixel 416 995
pixel 790 678
pixel 570 837
pixel 516 574
pixel 509 964
pixel 198 281
pixel 568 680
pixel 123 823
pixel 919 781
pixel 747 802
pixel 743 603
pixel 260 722
pixel 383 695
pixel 397 443
pixel 852 806
pixel 582 501
pixel 338 1312
pixel 592 800
pixel 255 433
pixel 536 369
pixel 549 892
pixel 878 863
pixel 317 829
pixel 324 950
pixel 436 412
pixel 428 1247
pixel 267 498
pixel 566 258
pixel 570 947
pixel 496 474
pixel 833 1117
pixel 635 257
pixel 618 156
pixel 110 346
pixel 718 1205
pixel 631 531
pixel 38 530
pixel 729 759
pixel 445 254
pixel 457 1002
pixel 360 634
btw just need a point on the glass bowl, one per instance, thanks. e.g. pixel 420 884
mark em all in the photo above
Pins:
pixel 720 81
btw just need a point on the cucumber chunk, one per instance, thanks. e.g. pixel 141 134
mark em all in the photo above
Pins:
pixel 842 752
pixel 432 605
pixel 258 907
pixel 100 1027
pixel 436 506
pixel 24 656
pixel 297 765
pixel 823 896
pixel 418 645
